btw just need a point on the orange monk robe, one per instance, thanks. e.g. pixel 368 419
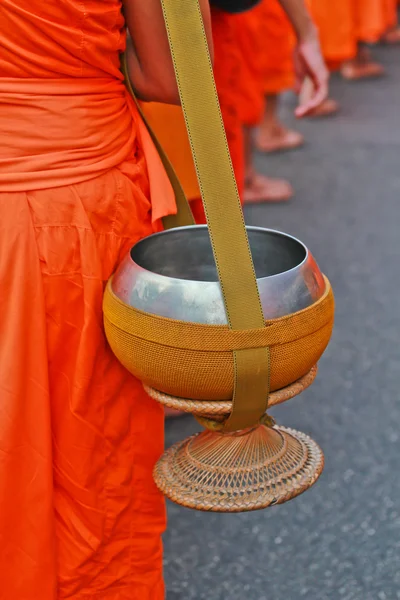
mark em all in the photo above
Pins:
pixel 278 41
pixel 250 86
pixel 373 18
pixel 344 23
pixel 80 515
pixel 168 122
pixel 336 25
pixel 227 73
pixel 266 42
pixel 391 8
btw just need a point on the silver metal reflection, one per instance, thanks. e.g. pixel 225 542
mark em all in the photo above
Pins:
pixel 172 274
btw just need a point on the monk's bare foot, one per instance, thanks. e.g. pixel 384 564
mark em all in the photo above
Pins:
pixel 357 72
pixel 277 138
pixel 259 188
pixel 391 37
pixel 362 67
pixel 172 412
pixel 327 108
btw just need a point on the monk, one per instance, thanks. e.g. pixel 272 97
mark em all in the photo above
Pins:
pixel 334 21
pixel 80 183
pixel 277 71
pixel 250 93
pixel 369 23
pixel 308 62
pixel 345 27
pixel 238 45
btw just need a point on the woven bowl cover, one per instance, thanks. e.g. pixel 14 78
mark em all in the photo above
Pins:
pixel 239 472
pixel 191 360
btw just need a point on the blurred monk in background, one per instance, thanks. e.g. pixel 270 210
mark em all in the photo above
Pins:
pixel 240 49
pixel 277 76
pixel 346 28
pixel 254 31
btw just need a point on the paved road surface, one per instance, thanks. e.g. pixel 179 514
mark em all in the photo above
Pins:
pixel 341 540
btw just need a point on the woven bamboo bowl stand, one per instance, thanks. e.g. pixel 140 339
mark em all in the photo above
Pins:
pixel 240 471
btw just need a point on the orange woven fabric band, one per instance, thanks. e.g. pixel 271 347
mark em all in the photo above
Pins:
pixel 296 344
pixel 216 338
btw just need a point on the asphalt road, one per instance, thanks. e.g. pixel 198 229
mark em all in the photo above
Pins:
pixel 340 540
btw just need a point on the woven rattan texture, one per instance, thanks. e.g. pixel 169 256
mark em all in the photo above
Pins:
pixel 221 407
pixel 239 472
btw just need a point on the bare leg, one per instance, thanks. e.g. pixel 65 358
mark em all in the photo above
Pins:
pixel 259 188
pixel 273 136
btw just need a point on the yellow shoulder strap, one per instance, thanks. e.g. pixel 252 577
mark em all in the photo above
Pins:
pixel 221 201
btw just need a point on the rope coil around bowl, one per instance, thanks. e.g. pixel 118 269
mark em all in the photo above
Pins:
pixel 222 408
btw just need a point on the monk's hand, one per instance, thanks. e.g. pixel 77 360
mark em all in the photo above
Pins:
pixel 309 64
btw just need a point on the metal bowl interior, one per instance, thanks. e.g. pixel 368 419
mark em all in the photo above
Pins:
pixel 173 274
pixel 186 253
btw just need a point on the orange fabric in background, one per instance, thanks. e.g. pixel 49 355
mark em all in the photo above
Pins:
pixel 278 40
pixel 266 42
pixel 391 7
pixel 344 23
pixel 335 21
pixel 228 78
pixel 168 122
pixel 227 73
pixel 80 514
pixel 252 48
pixel 372 19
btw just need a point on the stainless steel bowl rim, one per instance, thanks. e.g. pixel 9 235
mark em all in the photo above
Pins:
pixel 248 228
pixel 291 287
